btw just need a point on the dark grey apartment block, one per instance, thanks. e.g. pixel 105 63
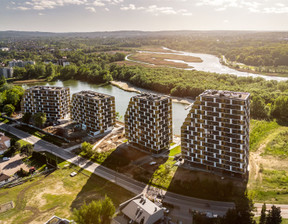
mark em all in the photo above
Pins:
pixel 54 101
pixel 148 122
pixel 215 134
pixel 94 111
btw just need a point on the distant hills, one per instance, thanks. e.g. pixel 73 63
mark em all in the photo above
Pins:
pixel 130 33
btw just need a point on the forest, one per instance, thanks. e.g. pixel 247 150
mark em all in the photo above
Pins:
pixel 92 60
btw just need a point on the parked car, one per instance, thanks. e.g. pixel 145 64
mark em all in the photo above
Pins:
pixel 6 158
pixel 152 163
pixel 73 174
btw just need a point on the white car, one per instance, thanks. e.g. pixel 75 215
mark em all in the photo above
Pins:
pixel 73 174
pixel 152 163
pixel 6 158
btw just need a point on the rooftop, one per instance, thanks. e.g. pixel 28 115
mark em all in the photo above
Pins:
pixel 48 88
pixel 226 94
pixel 151 97
pixel 141 208
pixel 4 177
pixel 92 94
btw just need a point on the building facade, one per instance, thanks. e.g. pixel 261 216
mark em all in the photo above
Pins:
pixel 215 134
pixel 20 63
pixel 148 122
pixel 54 101
pixel 6 72
pixel 94 111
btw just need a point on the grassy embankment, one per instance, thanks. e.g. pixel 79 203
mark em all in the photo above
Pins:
pixel 268 162
pixel 57 194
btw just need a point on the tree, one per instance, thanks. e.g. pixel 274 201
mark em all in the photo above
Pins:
pixel 27 149
pixel 39 119
pixel 87 148
pixel 274 215
pixel 258 108
pixel 2 80
pixel 26 118
pixel 9 109
pixel 263 214
pixel 97 212
pixel 280 109
pixel 242 214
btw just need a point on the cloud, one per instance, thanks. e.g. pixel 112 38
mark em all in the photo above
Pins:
pixel 98 3
pixel 156 10
pixel 90 9
pixel 254 6
pixel 22 8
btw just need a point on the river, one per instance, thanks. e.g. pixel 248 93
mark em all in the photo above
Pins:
pixel 121 98
pixel 210 63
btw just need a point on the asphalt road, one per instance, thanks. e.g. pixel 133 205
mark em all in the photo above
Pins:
pixel 182 203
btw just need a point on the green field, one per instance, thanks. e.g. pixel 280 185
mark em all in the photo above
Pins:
pixel 268 179
pixel 57 194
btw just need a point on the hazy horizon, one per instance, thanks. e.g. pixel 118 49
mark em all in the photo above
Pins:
pixel 157 15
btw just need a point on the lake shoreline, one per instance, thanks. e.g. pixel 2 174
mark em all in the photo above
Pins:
pixel 131 88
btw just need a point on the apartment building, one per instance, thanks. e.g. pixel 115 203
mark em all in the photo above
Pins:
pixel 215 134
pixel 6 72
pixel 54 101
pixel 148 122
pixel 20 63
pixel 94 111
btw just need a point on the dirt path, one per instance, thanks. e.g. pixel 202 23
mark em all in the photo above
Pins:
pixel 21 204
pixel 256 159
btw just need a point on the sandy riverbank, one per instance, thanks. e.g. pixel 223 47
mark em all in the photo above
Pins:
pixel 21 82
pixel 130 88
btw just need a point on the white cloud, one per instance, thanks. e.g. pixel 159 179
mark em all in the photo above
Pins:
pixel 98 3
pixel 22 8
pixel 255 6
pixel 90 9
pixel 156 10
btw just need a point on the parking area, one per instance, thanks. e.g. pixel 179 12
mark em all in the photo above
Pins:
pixel 14 164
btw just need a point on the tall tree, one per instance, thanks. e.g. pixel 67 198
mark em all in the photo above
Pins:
pixel 9 109
pixel 39 119
pixel 263 215
pixel 274 215
pixel 97 212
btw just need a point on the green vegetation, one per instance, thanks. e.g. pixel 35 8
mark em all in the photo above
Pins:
pixel 39 119
pixel 278 146
pixel 97 212
pixel 45 198
pixel 268 162
pixel 53 139
pixel 259 130
pixel 162 177
pixel 175 151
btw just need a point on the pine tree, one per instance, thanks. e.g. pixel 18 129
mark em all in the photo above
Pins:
pixel 263 214
pixel 274 215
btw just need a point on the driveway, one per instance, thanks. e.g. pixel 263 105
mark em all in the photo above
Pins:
pixel 13 165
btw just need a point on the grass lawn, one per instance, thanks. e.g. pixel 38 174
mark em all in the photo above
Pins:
pixel 42 135
pixel 175 151
pixel 268 180
pixel 57 194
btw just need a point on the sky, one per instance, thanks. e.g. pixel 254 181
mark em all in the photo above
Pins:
pixel 146 15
